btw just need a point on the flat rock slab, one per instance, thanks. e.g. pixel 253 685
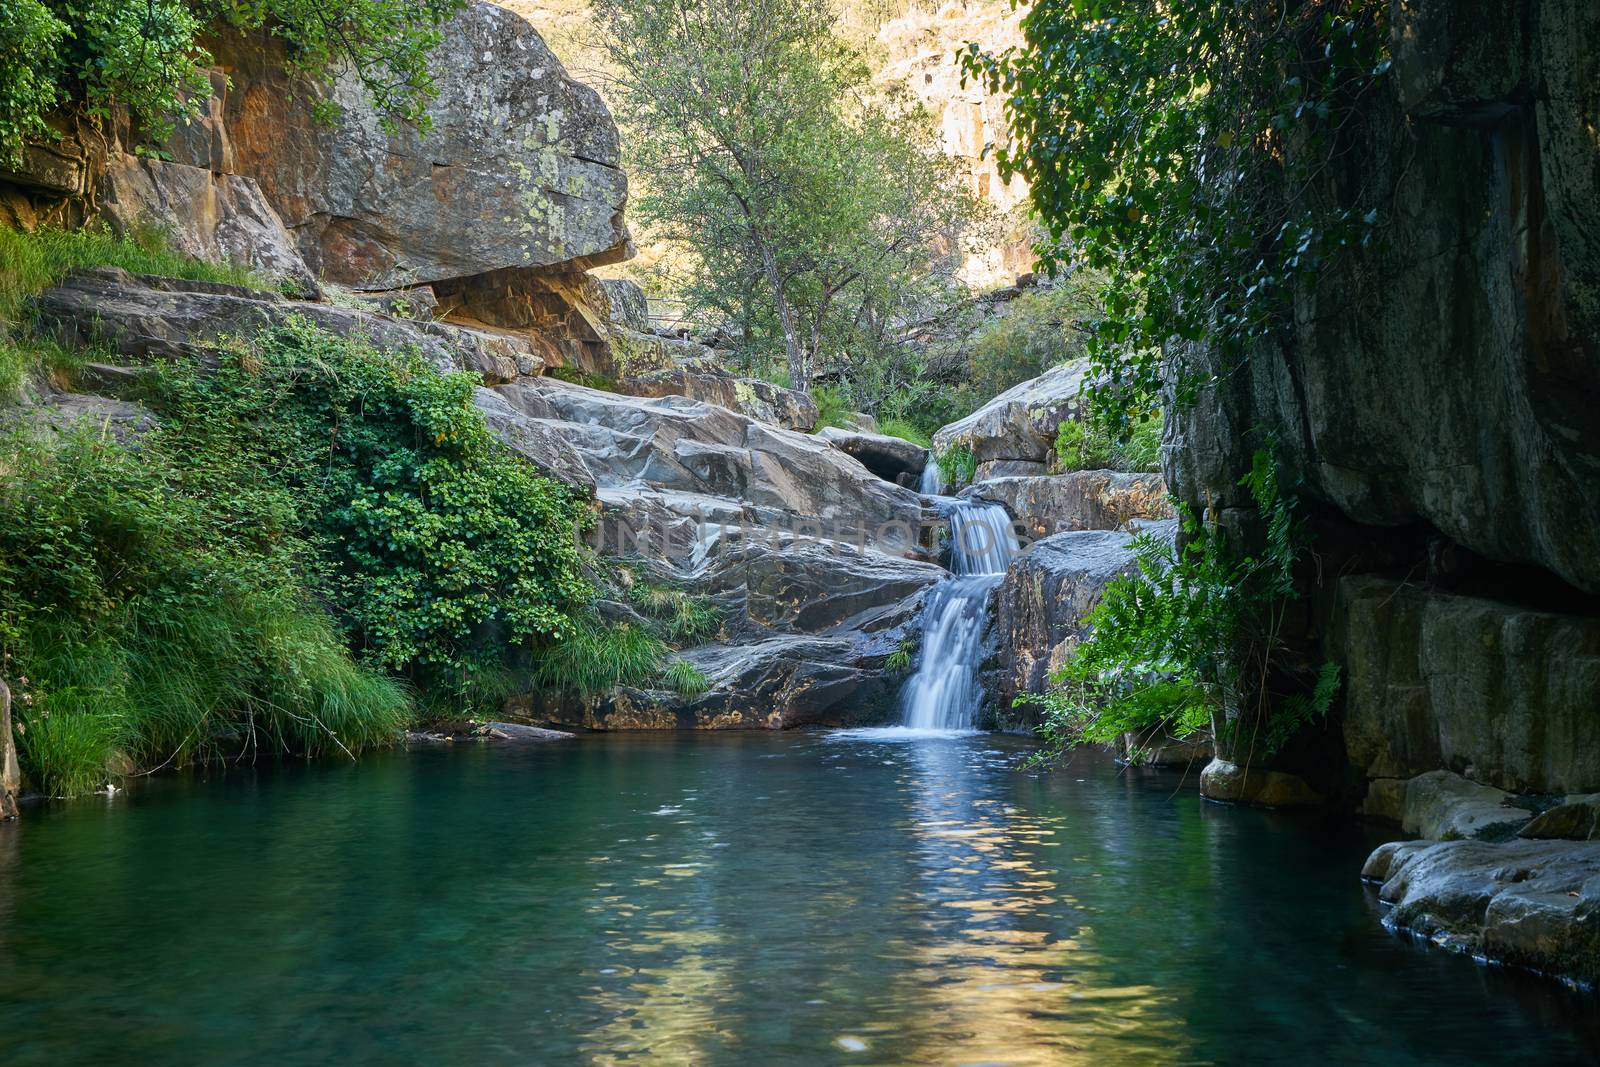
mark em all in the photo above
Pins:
pixel 1533 904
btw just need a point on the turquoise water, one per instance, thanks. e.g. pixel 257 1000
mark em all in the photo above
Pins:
pixel 753 899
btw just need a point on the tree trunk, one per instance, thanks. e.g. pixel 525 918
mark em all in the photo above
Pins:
pixel 799 361
pixel 10 773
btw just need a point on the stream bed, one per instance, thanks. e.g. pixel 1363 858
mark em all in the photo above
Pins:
pixel 857 897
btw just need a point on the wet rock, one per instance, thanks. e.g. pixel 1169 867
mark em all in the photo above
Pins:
pixel 519 170
pixel 1020 423
pixel 1233 783
pixel 1040 608
pixel 1534 904
pixel 1080 500
pixel 893 459
pixel 1433 679
pixel 1386 799
pixel 1444 806
pixel 1576 818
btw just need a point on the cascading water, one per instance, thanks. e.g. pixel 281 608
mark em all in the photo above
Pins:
pixel 932 478
pixel 944 693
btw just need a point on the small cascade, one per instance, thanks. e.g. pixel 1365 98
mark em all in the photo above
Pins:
pixel 944 693
pixel 932 483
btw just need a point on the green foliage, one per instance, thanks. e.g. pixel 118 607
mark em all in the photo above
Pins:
pixel 596 656
pixel 958 464
pixel 32 262
pixel 833 407
pixel 1183 151
pixel 142 624
pixel 816 206
pixel 146 58
pixel 437 548
pixel 680 618
pixel 1171 644
pixel 684 678
pixel 1039 330
pixel 1085 445
pixel 903 657
pixel 906 430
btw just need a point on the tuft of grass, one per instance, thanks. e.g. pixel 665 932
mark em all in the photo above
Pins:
pixel 32 262
pixel 597 657
pixel 904 655
pixel 1084 446
pixel 958 464
pixel 684 678
pixel 833 407
pixel 681 618
pixel 906 431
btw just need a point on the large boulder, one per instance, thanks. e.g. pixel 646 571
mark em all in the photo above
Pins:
pixel 519 169
pixel 789 408
pixel 894 459
pixel 1040 608
pixel 1534 904
pixel 1020 424
pixel 1444 806
pixel 1438 680
pixel 1079 500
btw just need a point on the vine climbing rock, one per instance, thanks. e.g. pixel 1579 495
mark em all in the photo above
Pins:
pixel 10 773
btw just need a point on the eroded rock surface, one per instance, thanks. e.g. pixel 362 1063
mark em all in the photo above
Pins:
pixel 893 459
pixel 1020 424
pixel 1079 500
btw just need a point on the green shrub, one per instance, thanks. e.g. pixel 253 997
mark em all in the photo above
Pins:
pixel 958 464
pixel 1036 332
pixel 833 407
pixel 436 548
pixel 906 431
pixel 1086 446
pixel 142 625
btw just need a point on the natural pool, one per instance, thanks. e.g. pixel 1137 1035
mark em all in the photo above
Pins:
pixel 735 899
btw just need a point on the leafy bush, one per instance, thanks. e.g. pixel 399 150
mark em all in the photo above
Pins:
pixel 147 620
pixel 833 407
pixel 1038 331
pixel 1081 445
pixel 437 548
pixel 1172 644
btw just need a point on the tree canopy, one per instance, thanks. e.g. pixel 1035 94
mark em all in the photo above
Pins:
pixel 815 204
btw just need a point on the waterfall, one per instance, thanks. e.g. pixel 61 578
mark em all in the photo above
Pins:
pixel 932 478
pixel 944 693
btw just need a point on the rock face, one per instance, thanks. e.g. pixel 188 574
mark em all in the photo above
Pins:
pixel 1020 424
pixel 225 217
pixel 1534 904
pixel 1041 604
pixel 1577 818
pixel 519 170
pixel 1437 680
pixel 1079 500
pixel 808 627
pixel 891 458
pixel 1447 375
pixel 788 408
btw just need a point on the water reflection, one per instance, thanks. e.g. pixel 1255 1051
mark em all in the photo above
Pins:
pixel 878 897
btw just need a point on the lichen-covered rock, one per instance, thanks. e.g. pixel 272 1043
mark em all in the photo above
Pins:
pixel 1079 500
pixel 1444 806
pixel 1447 373
pixel 519 170
pixel 1433 680
pixel 893 459
pixel 1021 423
pixel 1534 904
pixel 217 217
